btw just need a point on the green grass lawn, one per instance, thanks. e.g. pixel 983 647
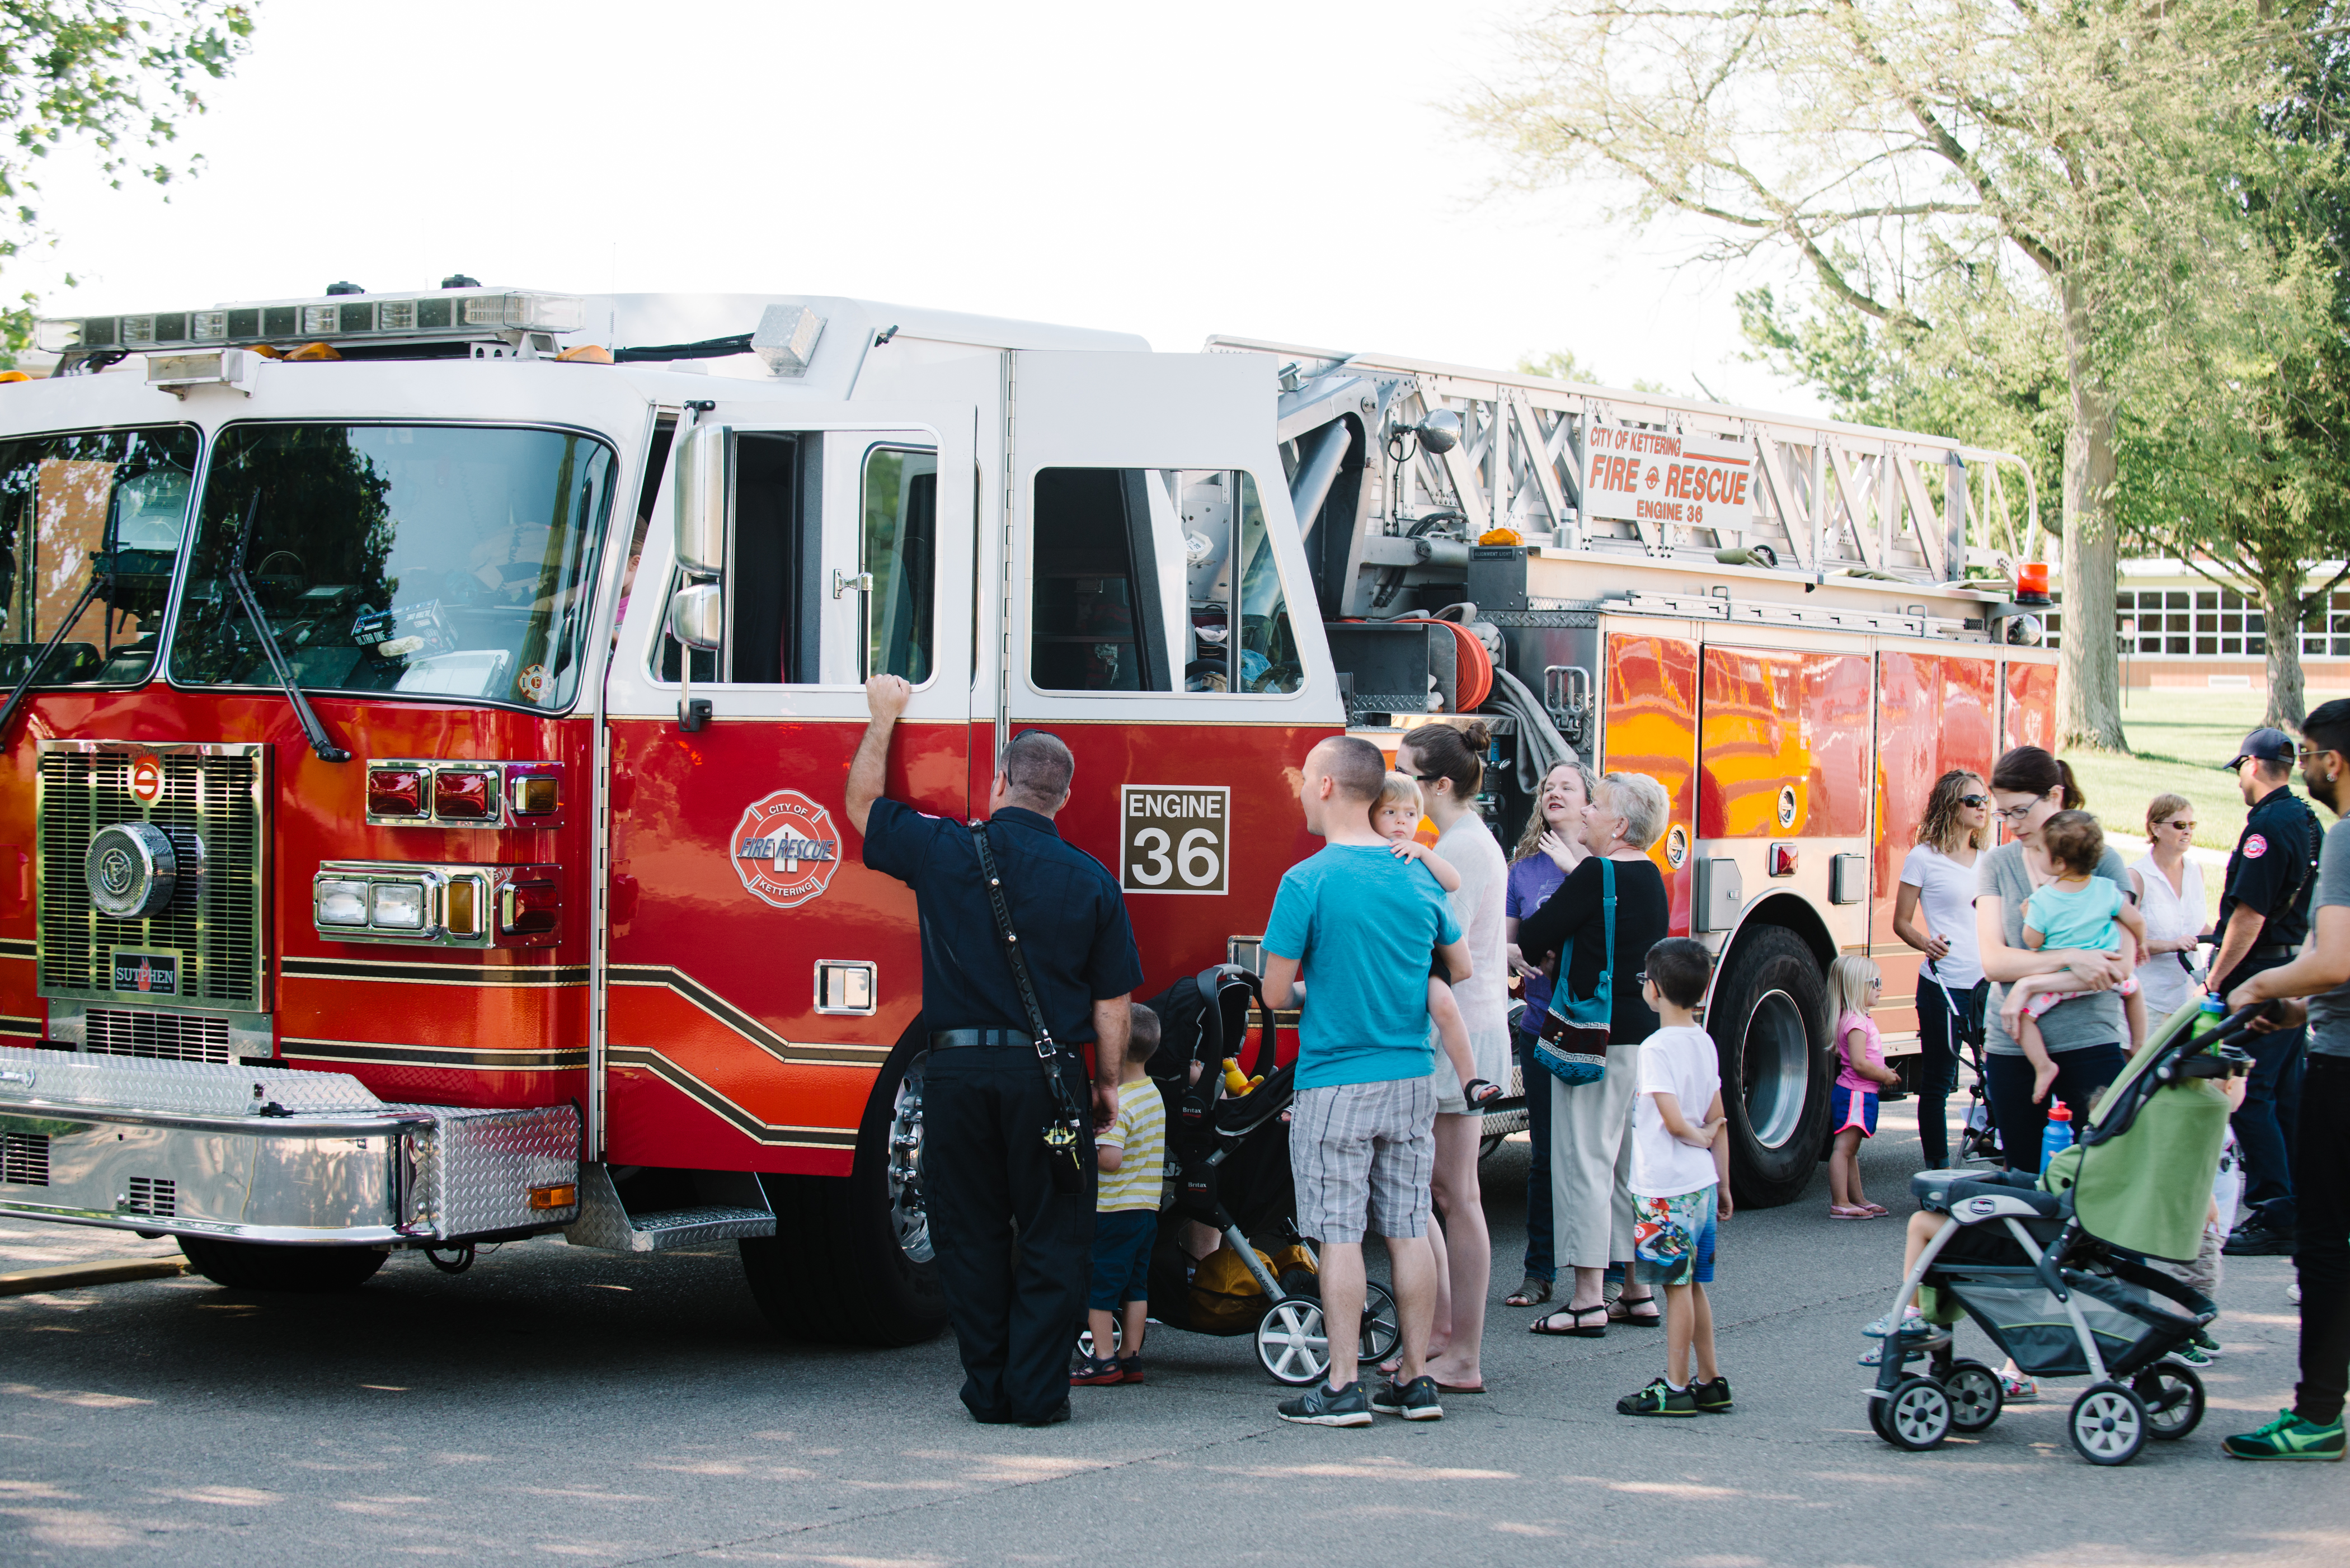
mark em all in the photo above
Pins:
pixel 2177 741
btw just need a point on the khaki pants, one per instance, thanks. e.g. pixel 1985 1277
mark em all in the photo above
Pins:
pixel 1591 1165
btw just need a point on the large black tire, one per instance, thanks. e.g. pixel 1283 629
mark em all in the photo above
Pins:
pixel 302 1271
pixel 838 1267
pixel 1769 1020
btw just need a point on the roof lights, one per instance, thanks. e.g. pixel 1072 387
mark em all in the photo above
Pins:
pixel 439 314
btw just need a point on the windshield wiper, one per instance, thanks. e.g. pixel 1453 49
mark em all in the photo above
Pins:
pixel 101 580
pixel 328 751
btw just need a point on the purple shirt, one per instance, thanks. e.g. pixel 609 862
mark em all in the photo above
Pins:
pixel 1531 882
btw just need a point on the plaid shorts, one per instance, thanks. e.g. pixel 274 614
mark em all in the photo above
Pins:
pixel 1364 1150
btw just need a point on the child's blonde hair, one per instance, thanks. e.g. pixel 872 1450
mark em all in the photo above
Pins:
pixel 1398 788
pixel 1848 980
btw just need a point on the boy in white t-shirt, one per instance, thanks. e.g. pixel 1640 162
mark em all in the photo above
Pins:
pixel 1680 1180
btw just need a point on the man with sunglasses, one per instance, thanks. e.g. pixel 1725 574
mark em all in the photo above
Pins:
pixel 1012 1250
pixel 2313 1429
pixel 2263 919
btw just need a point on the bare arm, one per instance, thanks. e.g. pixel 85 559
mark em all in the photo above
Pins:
pixel 885 698
pixel 1856 1051
pixel 1906 925
pixel 1714 1117
pixel 2032 939
pixel 1280 975
pixel 1668 1110
pixel 1107 1156
pixel 2243 933
pixel 1441 868
pixel 2323 964
pixel 1113 1027
pixel 1456 959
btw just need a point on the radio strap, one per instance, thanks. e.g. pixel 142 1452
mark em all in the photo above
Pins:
pixel 1063 1133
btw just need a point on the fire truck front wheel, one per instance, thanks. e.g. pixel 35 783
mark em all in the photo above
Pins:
pixel 850 1260
pixel 1769 1020
pixel 257 1266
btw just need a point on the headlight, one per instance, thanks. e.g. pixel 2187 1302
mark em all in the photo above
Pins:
pixel 342 903
pixel 396 906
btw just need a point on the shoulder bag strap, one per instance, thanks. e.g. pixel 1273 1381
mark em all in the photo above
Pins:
pixel 1607 910
pixel 1046 1047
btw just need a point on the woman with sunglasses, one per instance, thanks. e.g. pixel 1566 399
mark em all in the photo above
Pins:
pixel 2170 891
pixel 1937 880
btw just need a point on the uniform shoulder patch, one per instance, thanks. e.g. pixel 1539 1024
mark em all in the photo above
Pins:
pixel 2255 846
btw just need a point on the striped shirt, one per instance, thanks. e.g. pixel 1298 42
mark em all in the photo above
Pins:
pixel 1140 1134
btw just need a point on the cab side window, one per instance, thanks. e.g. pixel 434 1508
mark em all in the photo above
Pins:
pixel 898 547
pixel 1096 622
pixel 774 558
pixel 1237 636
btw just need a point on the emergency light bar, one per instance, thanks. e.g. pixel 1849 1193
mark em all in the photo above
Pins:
pixel 438 314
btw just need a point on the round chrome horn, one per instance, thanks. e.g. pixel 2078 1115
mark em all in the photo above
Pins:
pixel 132 869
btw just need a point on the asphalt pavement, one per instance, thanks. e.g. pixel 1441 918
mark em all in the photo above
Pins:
pixel 557 1403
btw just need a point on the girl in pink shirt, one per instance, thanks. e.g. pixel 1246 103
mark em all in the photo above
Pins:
pixel 1854 983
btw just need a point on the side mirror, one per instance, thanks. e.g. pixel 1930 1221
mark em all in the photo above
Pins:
pixel 699 492
pixel 697 615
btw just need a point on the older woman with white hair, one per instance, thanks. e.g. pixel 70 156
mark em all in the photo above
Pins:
pixel 1591 1155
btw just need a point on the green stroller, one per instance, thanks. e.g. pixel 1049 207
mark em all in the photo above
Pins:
pixel 2053 1268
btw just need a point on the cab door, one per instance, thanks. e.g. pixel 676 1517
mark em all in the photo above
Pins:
pixel 1161 622
pixel 758 974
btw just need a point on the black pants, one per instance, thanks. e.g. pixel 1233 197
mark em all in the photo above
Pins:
pixel 1937 1070
pixel 1012 1252
pixel 2321 1179
pixel 2081 1075
pixel 2264 1126
pixel 1542 1259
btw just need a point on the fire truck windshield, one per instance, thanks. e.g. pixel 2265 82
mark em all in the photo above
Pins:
pixel 107 509
pixel 444 561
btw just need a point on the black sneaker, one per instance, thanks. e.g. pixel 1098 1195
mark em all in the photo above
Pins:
pixel 2257 1240
pixel 1414 1401
pixel 1658 1398
pixel 1322 1405
pixel 1051 1417
pixel 1713 1397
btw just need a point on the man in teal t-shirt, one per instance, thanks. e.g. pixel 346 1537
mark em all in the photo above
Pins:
pixel 1363 924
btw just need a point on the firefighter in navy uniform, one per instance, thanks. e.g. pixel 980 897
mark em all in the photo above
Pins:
pixel 2263 918
pixel 1013 1252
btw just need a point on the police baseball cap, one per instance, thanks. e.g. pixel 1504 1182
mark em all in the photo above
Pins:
pixel 2268 745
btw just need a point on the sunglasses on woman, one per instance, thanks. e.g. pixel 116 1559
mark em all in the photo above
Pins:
pixel 1975 802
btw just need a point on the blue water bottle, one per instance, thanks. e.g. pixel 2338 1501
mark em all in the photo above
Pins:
pixel 2057 1137
pixel 2213 1008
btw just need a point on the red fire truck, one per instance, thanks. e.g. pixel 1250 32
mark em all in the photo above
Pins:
pixel 429 715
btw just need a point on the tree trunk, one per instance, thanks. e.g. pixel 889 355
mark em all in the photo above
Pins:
pixel 2281 615
pixel 2088 669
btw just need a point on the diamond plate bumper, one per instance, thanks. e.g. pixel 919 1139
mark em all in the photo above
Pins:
pixel 267 1154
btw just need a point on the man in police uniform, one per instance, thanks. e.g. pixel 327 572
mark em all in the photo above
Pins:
pixel 1012 1252
pixel 2263 918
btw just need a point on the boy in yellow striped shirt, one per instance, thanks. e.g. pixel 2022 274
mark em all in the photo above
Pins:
pixel 1132 1155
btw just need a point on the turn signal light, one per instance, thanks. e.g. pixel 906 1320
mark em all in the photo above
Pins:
pixel 563 1196
pixel 536 795
pixel 465 795
pixel 395 792
pixel 1782 860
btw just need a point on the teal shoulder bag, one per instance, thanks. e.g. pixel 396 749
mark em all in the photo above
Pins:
pixel 1573 1045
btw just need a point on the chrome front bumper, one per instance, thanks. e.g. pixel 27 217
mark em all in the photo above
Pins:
pixel 269 1154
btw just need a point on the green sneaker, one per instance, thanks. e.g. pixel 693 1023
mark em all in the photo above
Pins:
pixel 2287 1438
pixel 1658 1398
pixel 2192 1353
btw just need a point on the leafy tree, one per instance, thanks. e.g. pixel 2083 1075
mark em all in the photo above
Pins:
pixel 120 77
pixel 1902 150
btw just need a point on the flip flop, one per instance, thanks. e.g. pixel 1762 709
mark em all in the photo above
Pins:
pixel 1848 1212
pixel 1542 1325
pixel 1461 1389
pixel 1878 1209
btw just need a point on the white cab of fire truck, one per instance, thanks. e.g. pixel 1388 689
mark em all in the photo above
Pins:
pixel 428 714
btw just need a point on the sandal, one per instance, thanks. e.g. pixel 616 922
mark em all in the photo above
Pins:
pixel 1848 1212
pixel 1477 1091
pixel 1534 1292
pixel 1878 1211
pixel 1625 1310
pixel 1577 1329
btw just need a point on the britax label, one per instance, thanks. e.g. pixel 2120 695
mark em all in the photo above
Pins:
pixel 1695 478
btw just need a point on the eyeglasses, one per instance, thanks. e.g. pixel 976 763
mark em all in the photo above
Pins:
pixel 1972 801
pixel 2017 813
pixel 1642 978
pixel 1428 778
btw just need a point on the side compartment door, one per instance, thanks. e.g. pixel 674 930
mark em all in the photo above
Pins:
pixel 1162 623
pixel 1650 697
pixel 759 975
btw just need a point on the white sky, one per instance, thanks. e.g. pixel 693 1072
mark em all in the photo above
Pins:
pixel 1272 169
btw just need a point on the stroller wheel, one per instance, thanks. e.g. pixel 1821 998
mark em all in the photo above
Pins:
pixel 1975 1395
pixel 2173 1396
pixel 2108 1424
pixel 1382 1330
pixel 1915 1416
pixel 1290 1342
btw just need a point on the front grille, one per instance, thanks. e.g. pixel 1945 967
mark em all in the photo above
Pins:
pixel 213 796
pixel 25 1160
pixel 157 1197
pixel 171 1036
